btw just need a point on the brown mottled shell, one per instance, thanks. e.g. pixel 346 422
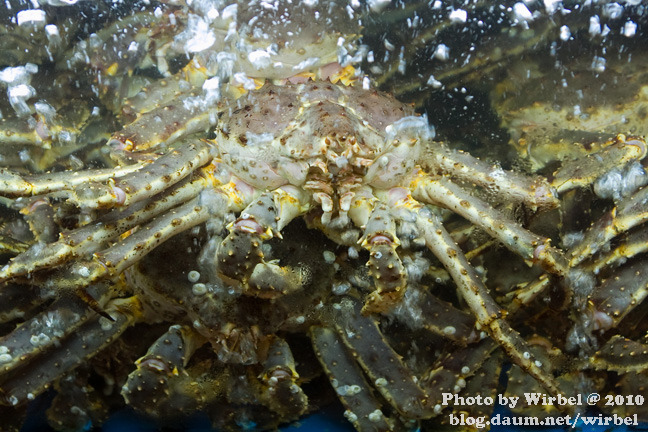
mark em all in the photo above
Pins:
pixel 271 136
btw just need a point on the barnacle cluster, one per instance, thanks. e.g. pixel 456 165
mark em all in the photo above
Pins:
pixel 223 207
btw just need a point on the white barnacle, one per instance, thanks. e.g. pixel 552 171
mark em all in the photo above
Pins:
pixel 538 363
pixel 39 339
pixel 199 288
pixel 76 410
pixel 329 257
pixel 461 383
pixel 350 416
pixel 353 389
pixel 465 370
pixel 84 272
pixel 13 400
pixel 380 382
pixel 526 355
pixel 375 416
pixel 105 323
pixel 340 288
pixel 193 276
pixel 449 330
pixel 5 358
pixel 3 349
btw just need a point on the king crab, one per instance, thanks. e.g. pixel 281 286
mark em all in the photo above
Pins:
pixel 356 164
pixel 353 163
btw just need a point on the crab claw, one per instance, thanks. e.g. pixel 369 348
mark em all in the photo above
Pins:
pixel 384 264
pixel 240 258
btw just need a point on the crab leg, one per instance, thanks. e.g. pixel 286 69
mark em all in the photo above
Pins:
pixel 161 384
pixel 283 394
pixel 114 260
pixel 632 244
pixel 443 319
pixel 527 293
pixel 621 355
pixel 520 383
pixel 620 294
pixel 15 300
pixel 155 178
pixel 11 246
pixel 15 184
pixel 239 256
pixel 531 247
pixel 162 93
pixel 166 124
pixel 632 384
pixel 90 238
pixel 584 171
pixel 40 217
pixel 535 192
pixel 362 409
pixel 92 336
pixel 43 331
pixel 449 373
pixel 384 264
pixel 77 403
pixel 628 214
pixel 483 383
pixel 488 313
pixel 382 364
